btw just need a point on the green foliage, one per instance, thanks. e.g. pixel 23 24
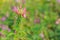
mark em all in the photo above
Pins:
pixel 28 28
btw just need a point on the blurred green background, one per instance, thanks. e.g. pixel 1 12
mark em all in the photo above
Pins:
pixel 42 21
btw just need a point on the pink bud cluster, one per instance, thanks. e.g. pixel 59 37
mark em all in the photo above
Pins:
pixel 17 11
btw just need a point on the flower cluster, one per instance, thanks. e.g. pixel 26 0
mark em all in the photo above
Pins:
pixel 20 11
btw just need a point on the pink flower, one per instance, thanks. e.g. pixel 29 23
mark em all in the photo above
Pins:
pixel 24 15
pixel 37 20
pixel 58 1
pixel 3 18
pixel 42 35
pixel 23 1
pixel 4 27
pixel 58 21
pixel 24 11
pixel 15 9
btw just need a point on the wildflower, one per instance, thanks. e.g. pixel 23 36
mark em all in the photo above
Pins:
pixel 24 15
pixel 21 11
pixel 37 20
pixel 3 27
pixel 58 21
pixel 23 1
pixel 41 35
pixel 15 9
pixel 3 18
pixel 58 1
pixel 24 10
